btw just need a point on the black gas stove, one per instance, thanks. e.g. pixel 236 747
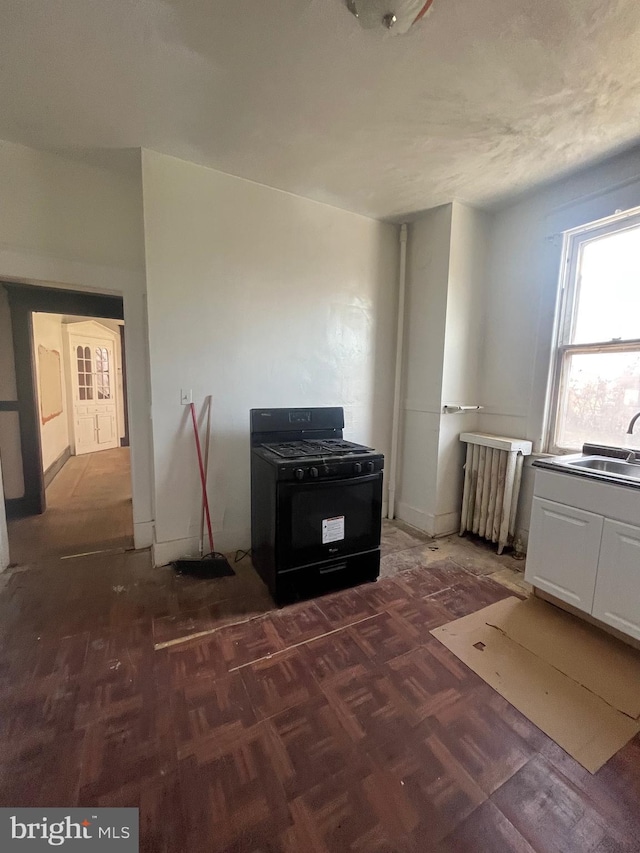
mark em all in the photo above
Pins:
pixel 316 503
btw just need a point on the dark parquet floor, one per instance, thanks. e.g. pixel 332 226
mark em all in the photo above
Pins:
pixel 334 725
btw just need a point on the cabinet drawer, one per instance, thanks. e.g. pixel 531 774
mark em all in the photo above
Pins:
pixel 621 503
pixel 562 557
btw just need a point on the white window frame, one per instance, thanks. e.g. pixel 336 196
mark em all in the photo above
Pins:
pixel 566 317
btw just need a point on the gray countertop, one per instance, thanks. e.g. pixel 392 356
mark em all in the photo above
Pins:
pixel 562 465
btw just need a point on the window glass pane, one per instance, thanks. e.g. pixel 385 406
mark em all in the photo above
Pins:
pixel 81 393
pixel 87 353
pixel 89 379
pixel 79 352
pixel 89 393
pixel 608 304
pixel 600 394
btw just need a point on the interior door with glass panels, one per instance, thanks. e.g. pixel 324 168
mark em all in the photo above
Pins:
pixel 93 374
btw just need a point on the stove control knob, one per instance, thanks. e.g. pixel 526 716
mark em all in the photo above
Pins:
pixel 357 468
pixel 325 470
pixel 313 472
pixel 299 473
pixel 370 467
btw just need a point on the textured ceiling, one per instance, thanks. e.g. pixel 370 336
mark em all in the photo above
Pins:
pixel 479 101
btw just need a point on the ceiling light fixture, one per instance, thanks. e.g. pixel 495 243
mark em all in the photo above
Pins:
pixel 398 16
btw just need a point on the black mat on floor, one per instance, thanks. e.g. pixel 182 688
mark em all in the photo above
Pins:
pixel 213 566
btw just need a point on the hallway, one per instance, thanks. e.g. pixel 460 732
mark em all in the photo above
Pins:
pixel 88 509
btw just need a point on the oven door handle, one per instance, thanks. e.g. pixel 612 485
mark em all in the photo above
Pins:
pixel 329 570
pixel 343 481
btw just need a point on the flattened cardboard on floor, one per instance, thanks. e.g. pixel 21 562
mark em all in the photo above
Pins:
pixel 577 684
pixel 580 650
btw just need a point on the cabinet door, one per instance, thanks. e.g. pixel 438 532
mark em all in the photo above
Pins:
pixel 85 433
pixel 562 555
pixel 617 597
pixel 106 431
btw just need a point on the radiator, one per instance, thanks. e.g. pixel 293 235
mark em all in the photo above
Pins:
pixel 492 476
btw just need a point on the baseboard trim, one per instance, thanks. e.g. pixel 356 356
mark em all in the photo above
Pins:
pixel 22 507
pixel 142 534
pixel 56 467
pixel 447 523
pixel 416 518
pixel 432 525
pixel 225 541
pixel 166 552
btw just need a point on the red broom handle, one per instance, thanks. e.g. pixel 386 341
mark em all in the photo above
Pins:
pixel 203 479
pixel 423 11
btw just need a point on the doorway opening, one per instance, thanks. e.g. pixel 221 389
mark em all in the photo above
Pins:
pixel 65 445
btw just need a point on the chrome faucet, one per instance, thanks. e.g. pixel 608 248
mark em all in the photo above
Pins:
pixel 632 423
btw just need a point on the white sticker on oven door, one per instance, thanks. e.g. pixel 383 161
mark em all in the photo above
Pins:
pixel 332 529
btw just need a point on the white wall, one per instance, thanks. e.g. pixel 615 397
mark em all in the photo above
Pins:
pixel 72 209
pixel 78 223
pixel 445 308
pixel 259 298
pixel 524 263
pixel 54 434
pixel 463 352
pixel 428 251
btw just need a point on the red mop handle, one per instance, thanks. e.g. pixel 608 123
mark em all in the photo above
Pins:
pixel 203 479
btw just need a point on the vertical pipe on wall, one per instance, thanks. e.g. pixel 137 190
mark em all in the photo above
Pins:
pixel 395 425
pixel 466 494
pixel 4 536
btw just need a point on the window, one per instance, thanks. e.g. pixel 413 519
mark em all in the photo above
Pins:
pixel 85 378
pixel 103 373
pixel 596 375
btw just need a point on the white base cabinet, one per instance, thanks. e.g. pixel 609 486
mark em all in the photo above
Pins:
pixel 562 556
pixel 585 558
pixel 617 595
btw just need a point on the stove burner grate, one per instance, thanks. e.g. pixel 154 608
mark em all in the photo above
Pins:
pixel 324 447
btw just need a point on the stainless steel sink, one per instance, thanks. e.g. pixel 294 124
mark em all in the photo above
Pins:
pixel 605 465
